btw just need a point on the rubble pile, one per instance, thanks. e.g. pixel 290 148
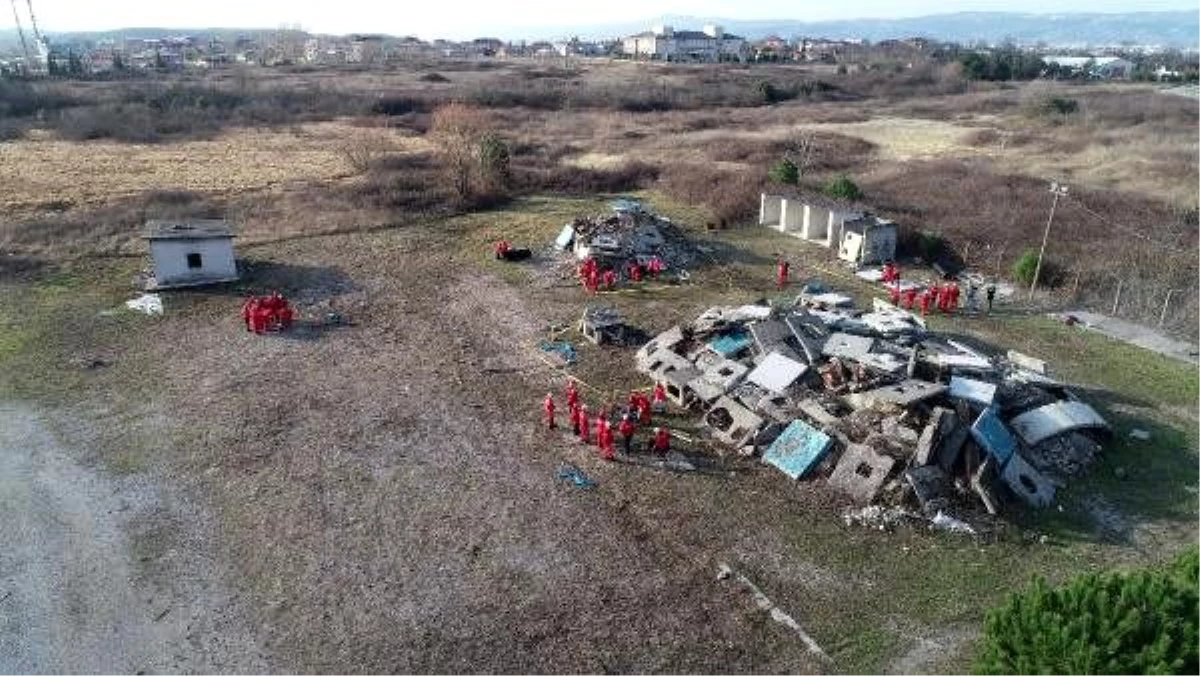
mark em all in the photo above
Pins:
pixel 888 413
pixel 629 234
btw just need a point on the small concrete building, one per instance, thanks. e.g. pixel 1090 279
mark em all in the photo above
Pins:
pixel 868 240
pixel 190 253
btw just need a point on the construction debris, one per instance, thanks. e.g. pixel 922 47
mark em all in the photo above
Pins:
pixel 884 410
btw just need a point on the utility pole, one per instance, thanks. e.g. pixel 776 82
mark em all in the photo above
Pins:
pixel 1058 190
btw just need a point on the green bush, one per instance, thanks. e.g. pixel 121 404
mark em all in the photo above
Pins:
pixel 843 188
pixel 1025 267
pixel 784 171
pixel 1143 622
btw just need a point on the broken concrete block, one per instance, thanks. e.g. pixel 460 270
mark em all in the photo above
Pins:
pixel 984 483
pixel 972 390
pixel 663 361
pixel 1055 419
pixel 718 376
pixel 993 436
pixel 769 335
pixel 1027 482
pixel 902 394
pixel 675 382
pixel 1028 363
pixel 816 412
pixel 667 340
pixel 931 435
pixel 898 431
pixel 798 449
pixel 932 487
pixel 732 423
pixel 777 373
pixel 602 325
pixel 861 472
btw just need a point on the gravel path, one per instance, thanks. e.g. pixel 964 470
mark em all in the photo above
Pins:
pixel 76 594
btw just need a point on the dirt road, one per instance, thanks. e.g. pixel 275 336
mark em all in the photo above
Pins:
pixel 74 594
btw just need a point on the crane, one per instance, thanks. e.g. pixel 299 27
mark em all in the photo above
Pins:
pixel 21 33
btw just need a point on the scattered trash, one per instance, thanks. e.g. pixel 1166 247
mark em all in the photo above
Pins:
pixel 565 351
pixel 878 517
pixel 147 303
pixel 942 521
pixel 569 472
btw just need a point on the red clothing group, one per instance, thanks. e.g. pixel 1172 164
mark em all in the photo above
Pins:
pixel 267 313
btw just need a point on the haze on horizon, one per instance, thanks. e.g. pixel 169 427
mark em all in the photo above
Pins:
pixel 474 18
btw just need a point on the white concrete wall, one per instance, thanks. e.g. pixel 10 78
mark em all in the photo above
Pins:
pixel 793 217
pixel 171 266
pixel 769 210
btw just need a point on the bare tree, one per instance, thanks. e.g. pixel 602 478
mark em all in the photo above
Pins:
pixel 456 131
pixel 802 150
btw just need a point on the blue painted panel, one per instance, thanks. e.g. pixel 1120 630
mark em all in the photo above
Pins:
pixel 798 449
pixel 992 434
pixel 730 344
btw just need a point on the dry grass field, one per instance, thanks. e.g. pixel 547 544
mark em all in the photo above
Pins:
pixel 379 497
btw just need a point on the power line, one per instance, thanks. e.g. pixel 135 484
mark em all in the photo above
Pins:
pixel 1122 228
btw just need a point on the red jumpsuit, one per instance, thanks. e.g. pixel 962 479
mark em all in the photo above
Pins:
pixel 910 297
pixel 585 424
pixel 952 301
pixel 782 273
pixel 662 440
pixel 635 272
pixel 260 319
pixel 286 314
pixel 643 408
pixel 610 279
pixel 572 395
pixel 626 429
pixel 606 443
pixel 926 298
pixel 501 249
pixel 574 416
pixel 593 280
pixel 894 290
pixel 660 398
pixel 548 408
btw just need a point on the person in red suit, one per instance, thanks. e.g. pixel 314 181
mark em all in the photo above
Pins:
pixel 548 410
pixel 626 429
pixel 781 273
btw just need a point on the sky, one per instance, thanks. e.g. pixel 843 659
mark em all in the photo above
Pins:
pixel 462 19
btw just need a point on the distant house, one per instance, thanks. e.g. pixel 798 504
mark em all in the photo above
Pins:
pixel 667 44
pixel 1098 67
pixel 190 253
pixel 858 236
pixel 365 49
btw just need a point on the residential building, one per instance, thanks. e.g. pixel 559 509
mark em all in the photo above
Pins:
pixel 666 44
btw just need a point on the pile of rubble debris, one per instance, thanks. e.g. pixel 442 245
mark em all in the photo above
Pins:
pixel 884 410
pixel 631 233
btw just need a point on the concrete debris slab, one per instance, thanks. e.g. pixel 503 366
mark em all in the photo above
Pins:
pixel 898 431
pixel 861 472
pixel 883 361
pixel 964 358
pixel 667 340
pixel 831 299
pixel 662 362
pixel 732 423
pixel 847 346
pixel 870 274
pixel 945 522
pixel 647 239
pixel 902 394
pixel 777 373
pixel 1027 482
pixel 881 306
pixel 798 449
pixel 565 238
pixel 602 325
pixel 993 436
pixel 816 412
pixel 1055 419
pixel 776 407
pixel 972 390
pixel 810 333
pixel 675 382
pixel 954 435
pixel 1139 435
pixel 984 483
pixel 932 487
pixel 1028 363
pixel 770 335
pixel 730 344
pixel 941 419
pixel 749 313
pixel 718 376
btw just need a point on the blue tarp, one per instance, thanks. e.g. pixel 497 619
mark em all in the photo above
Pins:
pixel 992 434
pixel 563 348
pixel 730 344
pixel 798 449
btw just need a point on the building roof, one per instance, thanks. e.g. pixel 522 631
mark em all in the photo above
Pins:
pixel 210 228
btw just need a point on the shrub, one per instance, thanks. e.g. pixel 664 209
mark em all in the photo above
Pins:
pixel 494 167
pixel 1025 267
pixel 843 188
pixel 1143 622
pixel 785 171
